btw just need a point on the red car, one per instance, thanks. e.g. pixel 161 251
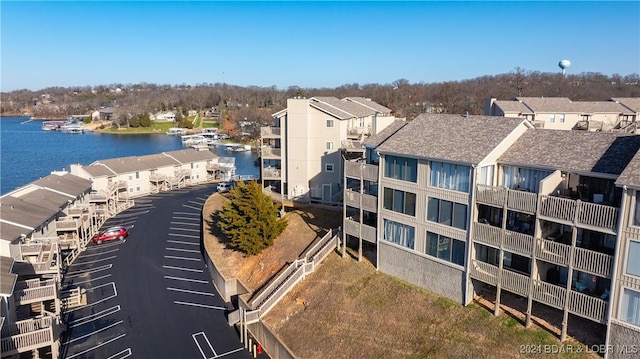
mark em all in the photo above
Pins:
pixel 110 234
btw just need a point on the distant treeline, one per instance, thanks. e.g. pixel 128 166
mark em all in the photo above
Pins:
pixel 236 103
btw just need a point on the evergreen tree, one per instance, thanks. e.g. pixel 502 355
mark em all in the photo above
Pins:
pixel 250 220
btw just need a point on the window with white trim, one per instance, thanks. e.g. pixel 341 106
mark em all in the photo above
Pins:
pixel 633 265
pixel 630 309
pixel 329 145
pixel 329 123
pixel 399 233
pixel 552 118
pixel 328 167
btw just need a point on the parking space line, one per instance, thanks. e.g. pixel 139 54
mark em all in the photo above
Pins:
pixel 88 280
pixel 183 235
pixel 181 242
pixel 184 269
pixel 229 352
pixel 92 333
pixel 183 258
pixel 205 356
pixel 96 347
pixel 192 207
pixel 199 305
pixel 195 218
pixel 92 317
pixel 99 301
pixel 190 291
pixel 94 261
pixel 126 353
pixel 189 213
pixel 93 270
pixel 184 229
pixel 185 223
pixel 187 279
pixel 182 250
pixel 197 203
pixel 101 253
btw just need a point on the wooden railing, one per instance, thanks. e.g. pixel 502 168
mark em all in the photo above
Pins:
pixel 556 207
pixel 553 252
pixel 522 201
pixel 549 294
pixel 487 233
pixel 269 152
pixel 271 173
pixel 491 195
pixel 484 272
pixel 269 131
pixel 34 290
pixel 598 215
pixel 26 335
pixel 515 282
pixel 518 242
pixel 68 224
pixel 587 306
pixel 369 171
pixel 369 202
pixel 593 262
pixel 352 227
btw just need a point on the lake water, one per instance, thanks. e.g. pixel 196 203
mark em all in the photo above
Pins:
pixel 28 153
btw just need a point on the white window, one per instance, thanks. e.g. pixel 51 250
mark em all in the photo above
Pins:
pixel 552 118
pixel 329 145
pixel 328 167
pixel 630 310
pixel 561 118
pixel 633 265
pixel 329 123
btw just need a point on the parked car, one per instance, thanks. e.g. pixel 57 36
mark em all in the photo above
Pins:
pixel 111 234
pixel 224 187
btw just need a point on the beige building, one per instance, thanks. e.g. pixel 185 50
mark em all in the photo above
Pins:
pixel 545 215
pixel 301 153
pixel 560 113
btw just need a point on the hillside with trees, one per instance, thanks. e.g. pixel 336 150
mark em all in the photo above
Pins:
pixel 256 104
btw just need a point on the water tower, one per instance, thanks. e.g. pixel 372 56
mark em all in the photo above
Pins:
pixel 564 65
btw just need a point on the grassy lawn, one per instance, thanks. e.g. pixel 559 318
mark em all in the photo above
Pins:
pixel 156 127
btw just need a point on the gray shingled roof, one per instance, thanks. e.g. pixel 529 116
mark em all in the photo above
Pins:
pixel 343 109
pixel 632 103
pixel 67 183
pixel 371 104
pixel 598 152
pixel 16 210
pixel 97 170
pixel 138 163
pixel 599 107
pixel 453 138
pixel 7 279
pixel 547 104
pixel 191 155
pixel 375 140
pixel 10 232
pixel 512 107
pixel 631 174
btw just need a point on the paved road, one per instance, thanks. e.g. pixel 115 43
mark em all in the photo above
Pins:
pixel 151 296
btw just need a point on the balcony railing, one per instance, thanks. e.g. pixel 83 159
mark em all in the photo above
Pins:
pixel 271 173
pixel 352 227
pixel 68 224
pixel 270 152
pixel 522 201
pixel 518 242
pixel 592 262
pixel 369 202
pixel 515 282
pixel 491 195
pixel 369 171
pixel 598 215
pixel 549 294
pixel 270 131
pixel 34 290
pixel 556 207
pixel 26 335
pixel 553 252
pixel 587 306
pixel 484 272
pixel 487 234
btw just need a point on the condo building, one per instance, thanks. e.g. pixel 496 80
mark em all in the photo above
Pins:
pixel 465 205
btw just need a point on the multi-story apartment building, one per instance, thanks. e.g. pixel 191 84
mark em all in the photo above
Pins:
pixel 45 224
pixel 560 113
pixel 301 156
pixel 539 213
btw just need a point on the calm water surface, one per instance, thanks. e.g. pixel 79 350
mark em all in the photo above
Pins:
pixel 28 153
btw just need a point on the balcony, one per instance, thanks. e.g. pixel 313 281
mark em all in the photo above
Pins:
pixel 270 132
pixel 515 282
pixel 353 198
pixel 585 214
pixel 353 228
pixel 592 262
pixel 26 335
pixel 549 294
pixel 34 291
pixel 269 152
pixel 369 171
pixel 68 224
pixel 37 258
pixel 552 252
pixel 271 173
pixel 588 306
pixel 511 241
pixel 516 200
pixel 358 132
pixel 484 272
pixel 487 234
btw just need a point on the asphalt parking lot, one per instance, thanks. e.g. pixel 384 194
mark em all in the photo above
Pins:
pixel 150 296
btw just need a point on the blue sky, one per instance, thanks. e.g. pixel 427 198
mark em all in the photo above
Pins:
pixel 308 44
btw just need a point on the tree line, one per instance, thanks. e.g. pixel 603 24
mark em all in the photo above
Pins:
pixel 256 104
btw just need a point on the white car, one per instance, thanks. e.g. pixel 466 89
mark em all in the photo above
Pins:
pixel 224 187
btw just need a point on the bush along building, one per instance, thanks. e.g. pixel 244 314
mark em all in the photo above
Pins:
pixel 468 205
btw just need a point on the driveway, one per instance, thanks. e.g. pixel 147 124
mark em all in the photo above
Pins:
pixel 150 296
